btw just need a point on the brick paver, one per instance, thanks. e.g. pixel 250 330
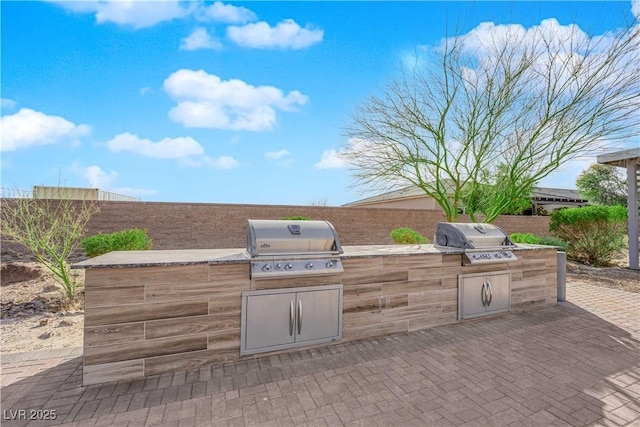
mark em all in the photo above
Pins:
pixel 577 363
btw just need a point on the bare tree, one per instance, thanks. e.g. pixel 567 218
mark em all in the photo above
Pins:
pixel 320 202
pixel 51 230
pixel 529 100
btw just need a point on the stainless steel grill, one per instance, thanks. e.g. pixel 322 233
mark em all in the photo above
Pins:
pixel 482 243
pixel 282 248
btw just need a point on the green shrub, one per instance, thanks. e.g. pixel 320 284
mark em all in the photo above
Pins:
pixel 134 239
pixel 538 240
pixel 296 218
pixel 595 233
pixel 407 236
pixel 525 238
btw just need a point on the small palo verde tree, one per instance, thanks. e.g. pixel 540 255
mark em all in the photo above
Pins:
pixel 603 185
pixel 51 230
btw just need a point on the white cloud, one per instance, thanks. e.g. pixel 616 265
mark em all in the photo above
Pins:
pixel 133 13
pixel 32 128
pixel 98 178
pixel 166 148
pixel 206 101
pixel 146 91
pixel 226 13
pixel 286 34
pixel 199 39
pixel 277 155
pixel 331 159
pixel 6 103
pixel 223 162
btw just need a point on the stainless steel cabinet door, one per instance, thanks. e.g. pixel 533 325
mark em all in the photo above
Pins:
pixel 317 315
pixel 499 292
pixel 471 296
pixel 270 320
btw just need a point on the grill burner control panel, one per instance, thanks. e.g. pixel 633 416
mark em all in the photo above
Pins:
pixel 489 257
pixel 290 268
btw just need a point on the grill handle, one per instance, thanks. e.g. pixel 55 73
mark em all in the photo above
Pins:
pixel 291 319
pixel 490 293
pixel 299 317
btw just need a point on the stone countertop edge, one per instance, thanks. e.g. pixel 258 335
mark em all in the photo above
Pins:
pixel 164 258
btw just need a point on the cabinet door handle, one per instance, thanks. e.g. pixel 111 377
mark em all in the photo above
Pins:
pixel 490 294
pixel 483 294
pixel 291 319
pixel 299 316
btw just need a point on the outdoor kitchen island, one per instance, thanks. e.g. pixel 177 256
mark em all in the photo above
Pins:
pixel 155 312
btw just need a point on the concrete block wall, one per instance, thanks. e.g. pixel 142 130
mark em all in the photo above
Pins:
pixel 209 225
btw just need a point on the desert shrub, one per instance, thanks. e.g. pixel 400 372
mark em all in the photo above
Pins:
pixel 595 233
pixel 407 236
pixel 296 218
pixel 538 240
pixel 134 239
pixel 525 238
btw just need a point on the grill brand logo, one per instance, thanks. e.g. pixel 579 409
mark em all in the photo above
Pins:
pixel 265 245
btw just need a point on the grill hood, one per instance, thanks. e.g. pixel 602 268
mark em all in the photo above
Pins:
pixel 471 236
pixel 284 237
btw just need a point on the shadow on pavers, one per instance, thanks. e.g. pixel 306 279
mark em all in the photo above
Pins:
pixel 560 362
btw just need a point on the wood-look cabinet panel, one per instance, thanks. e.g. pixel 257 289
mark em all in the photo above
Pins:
pixel 116 294
pixel 116 371
pixel 192 325
pixel 140 312
pixel 192 360
pixel 224 340
pixel 113 334
pixel 106 277
pixel 141 349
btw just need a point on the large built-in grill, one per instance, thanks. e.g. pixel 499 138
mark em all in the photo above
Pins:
pixel 283 248
pixel 482 243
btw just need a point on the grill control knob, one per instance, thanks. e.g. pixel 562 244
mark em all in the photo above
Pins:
pixel 507 254
pixel 288 266
pixel 278 266
pixel 475 256
pixel 497 255
pixel 330 264
pixel 309 266
pixel 266 267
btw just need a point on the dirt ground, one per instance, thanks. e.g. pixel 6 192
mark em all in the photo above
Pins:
pixel 31 318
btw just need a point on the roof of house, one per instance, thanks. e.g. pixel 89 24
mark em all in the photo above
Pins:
pixel 540 194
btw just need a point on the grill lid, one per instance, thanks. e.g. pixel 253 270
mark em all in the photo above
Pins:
pixel 285 237
pixel 471 236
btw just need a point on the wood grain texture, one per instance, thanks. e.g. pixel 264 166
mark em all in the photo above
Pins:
pixel 294 282
pixel 113 295
pixel 140 312
pixel 410 312
pixel 192 325
pixel 224 340
pixel 351 334
pixel 412 261
pixel 361 318
pixel 113 334
pixel 224 303
pixel 411 286
pixel 195 359
pixel 442 295
pixel 140 349
pixel 117 371
pixel 106 277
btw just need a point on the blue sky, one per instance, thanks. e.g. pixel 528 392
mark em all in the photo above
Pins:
pixel 221 102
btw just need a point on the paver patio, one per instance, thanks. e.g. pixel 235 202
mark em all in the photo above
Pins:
pixel 574 364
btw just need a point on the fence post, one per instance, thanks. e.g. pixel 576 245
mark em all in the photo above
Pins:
pixel 562 276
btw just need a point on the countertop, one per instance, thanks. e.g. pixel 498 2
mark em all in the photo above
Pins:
pixel 122 259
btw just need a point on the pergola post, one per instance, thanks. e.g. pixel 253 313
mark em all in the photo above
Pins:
pixel 632 215
pixel 628 159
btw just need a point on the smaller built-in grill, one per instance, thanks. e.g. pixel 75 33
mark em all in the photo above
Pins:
pixel 482 243
pixel 283 248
